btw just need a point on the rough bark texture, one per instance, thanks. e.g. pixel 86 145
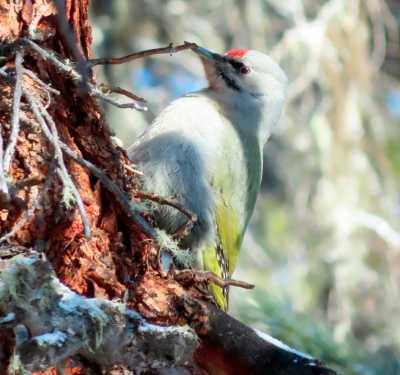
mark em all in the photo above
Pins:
pixel 119 261
pixel 111 261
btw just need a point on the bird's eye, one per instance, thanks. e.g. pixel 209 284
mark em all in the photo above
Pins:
pixel 244 69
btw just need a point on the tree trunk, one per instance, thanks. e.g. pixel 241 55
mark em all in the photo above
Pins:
pixel 65 194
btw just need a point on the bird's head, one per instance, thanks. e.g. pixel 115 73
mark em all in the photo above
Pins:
pixel 246 77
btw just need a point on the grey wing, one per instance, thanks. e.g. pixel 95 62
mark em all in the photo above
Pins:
pixel 173 167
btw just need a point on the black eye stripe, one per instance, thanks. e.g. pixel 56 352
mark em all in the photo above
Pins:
pixel 237 65
pixel 228 81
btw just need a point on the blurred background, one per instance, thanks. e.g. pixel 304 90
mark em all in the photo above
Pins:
pixel 324 243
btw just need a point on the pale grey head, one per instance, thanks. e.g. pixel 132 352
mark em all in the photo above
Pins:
pixel 249 79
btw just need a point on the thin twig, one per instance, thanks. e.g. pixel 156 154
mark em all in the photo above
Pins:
pixel 71 41
pixel 66 180
pixel 185 229
pixel 170 49
pixel 52 57
pixel 68 69
pixel 97 93
pixel 113 89
pixel 9 152
pixel 42 116
pixel 62 172
pixel 42 84
pixel 3 181
pixel 121 197
pixel 5 190
pixel 198 276
pixel 107 182
pixel 28 182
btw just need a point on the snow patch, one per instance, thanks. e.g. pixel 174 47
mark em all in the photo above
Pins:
pixel 56 338
pixel 73 303
pixel 25 261
pixel 8 318
pixel 281 345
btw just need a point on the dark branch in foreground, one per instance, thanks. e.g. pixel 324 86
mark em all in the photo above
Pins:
pixel 118 90
pixel 230 347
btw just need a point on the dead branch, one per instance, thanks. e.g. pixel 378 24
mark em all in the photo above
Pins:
pixel 170 49
pixel 9 152
pixel 71 42
pixel 97 91
pixel 68 68
pixel 70 190
pixel 229 347
pixel 121 197
pixel 3 179
pixel 40 112
pixel 42 84
pixel 110 89
pixel 28 182
pixel 6 158
pixel 9 251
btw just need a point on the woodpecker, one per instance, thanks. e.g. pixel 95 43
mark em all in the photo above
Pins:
pixel 205 150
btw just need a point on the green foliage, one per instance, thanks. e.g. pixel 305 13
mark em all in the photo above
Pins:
pixel 310 334
pixel 304 333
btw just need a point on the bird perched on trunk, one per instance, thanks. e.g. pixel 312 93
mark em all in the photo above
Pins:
pixel 205 150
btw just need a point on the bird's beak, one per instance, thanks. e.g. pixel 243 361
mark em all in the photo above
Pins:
pixel 207 54
pixel 211 62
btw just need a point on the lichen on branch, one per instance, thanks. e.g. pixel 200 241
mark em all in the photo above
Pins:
pixel 63 324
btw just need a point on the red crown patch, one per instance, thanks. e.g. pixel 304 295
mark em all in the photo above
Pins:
pixel 237 52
